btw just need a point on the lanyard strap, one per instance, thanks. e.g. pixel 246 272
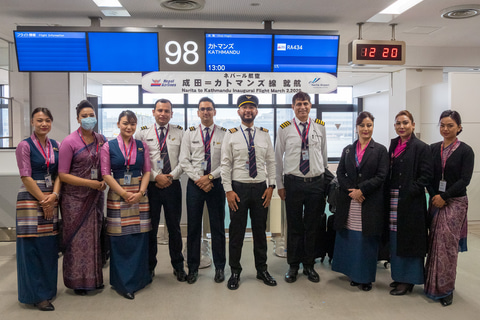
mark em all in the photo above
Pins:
pixel 162 143
pixel 127 159
pixel 47 154
pixel 444 162
pixel 304 140
pixel 85 143
pixel 250 144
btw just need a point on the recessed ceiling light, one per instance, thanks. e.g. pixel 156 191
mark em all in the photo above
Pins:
pixel 115 13
pixel 461 12
pixel 183 5
pixel 108 3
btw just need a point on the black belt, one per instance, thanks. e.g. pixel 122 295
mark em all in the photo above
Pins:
pixel 304 179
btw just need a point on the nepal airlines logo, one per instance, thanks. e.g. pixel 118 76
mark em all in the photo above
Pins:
pixel 156 83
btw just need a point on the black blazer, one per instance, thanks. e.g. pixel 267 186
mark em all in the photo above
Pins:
pixel 411 173
pixel 369 177
pixel 458 171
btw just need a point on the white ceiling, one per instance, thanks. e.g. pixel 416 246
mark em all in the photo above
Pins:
pixel 421 26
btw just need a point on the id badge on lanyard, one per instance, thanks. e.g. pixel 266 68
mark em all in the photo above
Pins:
pixel 127 177
pixel 442 187
pixel 94 174
pixel 160 164
pixel 305 154
pixel 48 180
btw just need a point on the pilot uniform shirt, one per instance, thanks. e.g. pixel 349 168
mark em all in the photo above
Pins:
pixel 235 157
pixel 173 142
pixel 288 149
pixel 192 153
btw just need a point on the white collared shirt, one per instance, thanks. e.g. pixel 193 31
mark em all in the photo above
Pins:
pixel 173 141
pixel 235 156
pixel 288 148
pixel 192 153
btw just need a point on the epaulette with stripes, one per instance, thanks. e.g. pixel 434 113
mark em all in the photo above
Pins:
pixel 192 128
pixel 233 130
pixel 320 122
pixel 180 127
pixel 223 129
pixel 144 127
pixel 285 124
pixel 263 129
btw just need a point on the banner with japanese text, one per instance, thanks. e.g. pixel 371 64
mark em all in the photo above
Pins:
pixel 238 82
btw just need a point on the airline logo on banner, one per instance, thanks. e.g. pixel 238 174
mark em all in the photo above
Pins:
pixel 238 82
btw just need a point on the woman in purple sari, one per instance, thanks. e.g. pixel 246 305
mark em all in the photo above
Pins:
pixel 82 203
pixel 453 168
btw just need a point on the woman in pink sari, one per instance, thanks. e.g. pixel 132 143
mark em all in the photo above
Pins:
pixel 453 169
pixel 82 203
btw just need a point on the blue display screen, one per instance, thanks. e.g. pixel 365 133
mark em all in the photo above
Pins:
pixel 123 51
pixel 305 53
pixel 238 52
pixel 51 51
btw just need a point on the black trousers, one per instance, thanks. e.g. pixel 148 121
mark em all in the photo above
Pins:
pixel 250 195
pixel 215 200
pixel 304 203
pixel 171 200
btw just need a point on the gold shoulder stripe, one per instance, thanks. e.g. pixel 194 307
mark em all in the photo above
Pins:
pixel 233 130
pixel 180 127
pixel 263 129
pixel 285 124
pixel 144 127
pixel 223 129
pixel 192 128
pixel 320 122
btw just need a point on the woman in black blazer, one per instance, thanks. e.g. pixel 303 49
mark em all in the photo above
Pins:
pixel 360 214
pixel 410 173
pixel 453 162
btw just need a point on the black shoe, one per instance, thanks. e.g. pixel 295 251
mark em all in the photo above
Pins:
pixel 402 289
pixel 394 284
pixel 266 278
pixel 180 274
pixel 219 276
pixel 291 275
pixel 354 284
pixel 80 292
pixel 45 305
pixel 100 287
pixel 152 274
pixel 311 273
pixel 192 276
pixel 233 282
pixel 447 300
pixel 366 286
pixel 129 295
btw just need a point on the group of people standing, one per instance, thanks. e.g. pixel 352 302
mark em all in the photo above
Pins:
pixel 240 166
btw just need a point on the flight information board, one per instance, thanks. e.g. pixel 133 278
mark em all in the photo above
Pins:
pixel 51 51
pixel 305 53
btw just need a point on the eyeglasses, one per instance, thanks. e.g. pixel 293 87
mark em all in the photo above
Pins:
pixel 206 109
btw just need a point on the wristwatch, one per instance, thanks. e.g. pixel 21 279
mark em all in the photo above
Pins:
pixel 143 193
pixel 210 177
pixel 271 186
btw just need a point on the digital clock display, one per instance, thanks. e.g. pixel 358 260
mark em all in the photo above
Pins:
pixel 377 52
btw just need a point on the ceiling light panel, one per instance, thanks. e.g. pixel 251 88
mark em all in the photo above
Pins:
pixel 108 3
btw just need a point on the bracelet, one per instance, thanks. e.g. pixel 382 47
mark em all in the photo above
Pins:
pixel 56 194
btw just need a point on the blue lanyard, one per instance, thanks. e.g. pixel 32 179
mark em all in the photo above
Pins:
pixel 250 145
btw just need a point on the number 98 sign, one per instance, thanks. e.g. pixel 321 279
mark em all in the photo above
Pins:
pixel 182 50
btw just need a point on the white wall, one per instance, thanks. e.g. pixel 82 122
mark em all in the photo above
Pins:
pixel 464 97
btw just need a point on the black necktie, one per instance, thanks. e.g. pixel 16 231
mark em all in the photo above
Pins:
pixel 164 153
pixel 251 155
pixel 304 163
pixel 206 144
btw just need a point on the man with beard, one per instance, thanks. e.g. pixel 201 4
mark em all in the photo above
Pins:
pixel 248 160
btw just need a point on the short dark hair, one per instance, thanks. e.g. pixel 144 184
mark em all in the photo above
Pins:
pixel 82 105
pixel 363 115
pixel 455 117
pixel 44 110
pixel 302 96
pixel 129 114
pixel 163 101
pixel 206 99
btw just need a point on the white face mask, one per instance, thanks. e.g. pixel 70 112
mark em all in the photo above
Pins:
pixel 89 123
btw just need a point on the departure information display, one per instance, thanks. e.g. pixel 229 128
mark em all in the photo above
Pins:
pixel 305 53
pixel 123 51
pixel 238 52
pixel 51 51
